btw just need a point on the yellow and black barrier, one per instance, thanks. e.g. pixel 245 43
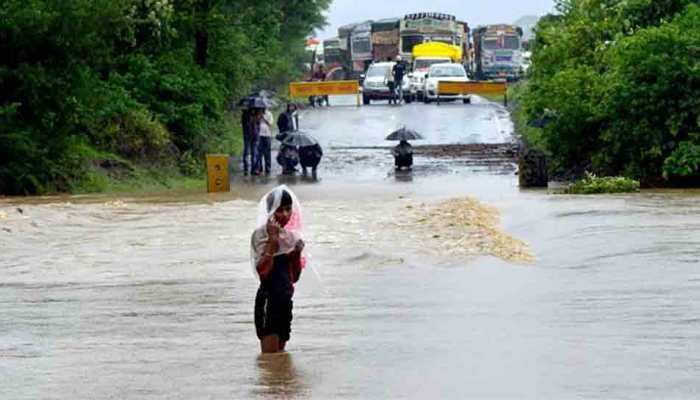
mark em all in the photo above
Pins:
pixel 476 87
pixel 217 173
pixel 326 88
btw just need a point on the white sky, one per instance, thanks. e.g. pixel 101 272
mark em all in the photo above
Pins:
pixel 473 12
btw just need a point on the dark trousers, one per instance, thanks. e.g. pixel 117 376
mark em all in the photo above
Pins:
pixel 250 149
pixel 264 152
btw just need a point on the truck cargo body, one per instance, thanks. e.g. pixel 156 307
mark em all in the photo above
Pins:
pixel 385 39
pixel 361 47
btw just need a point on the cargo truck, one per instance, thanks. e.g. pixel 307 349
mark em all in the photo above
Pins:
pixel 498 52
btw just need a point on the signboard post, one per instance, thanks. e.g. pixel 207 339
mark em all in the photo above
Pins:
pixel 217 173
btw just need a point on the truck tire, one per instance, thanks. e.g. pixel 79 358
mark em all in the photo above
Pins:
pixel 468 100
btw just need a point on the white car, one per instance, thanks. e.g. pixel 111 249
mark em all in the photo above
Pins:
pixel 416 78
pixel 374 86
pixel 446 72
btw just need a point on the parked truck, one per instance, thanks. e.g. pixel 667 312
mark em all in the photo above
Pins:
pixel 498 52
pixel 419 28
pixel 385 39
pixel 335 59
pixel 361 48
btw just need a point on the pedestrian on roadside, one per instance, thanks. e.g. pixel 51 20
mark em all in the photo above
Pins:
pixel 288 121
pixel 264 159
pixel 399 71
pixel 390 83
pixel 320 76
pixel 276 256
pixel 310 157
pixel 250 144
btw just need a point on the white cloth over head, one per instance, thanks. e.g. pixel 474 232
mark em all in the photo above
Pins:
pixel 289 235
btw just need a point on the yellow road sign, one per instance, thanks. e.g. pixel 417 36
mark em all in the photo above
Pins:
pixel 454 88
pixel 305 89
pixel 217 173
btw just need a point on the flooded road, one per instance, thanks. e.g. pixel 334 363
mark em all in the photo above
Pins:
pixel 151 297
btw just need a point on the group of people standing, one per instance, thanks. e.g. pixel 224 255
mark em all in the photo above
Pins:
pixel 257 140
pixel 257 137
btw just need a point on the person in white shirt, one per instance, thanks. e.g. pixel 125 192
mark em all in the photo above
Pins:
pixel 265 143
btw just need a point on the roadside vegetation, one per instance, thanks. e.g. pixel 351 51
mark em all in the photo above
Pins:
pixel 614 89
pixel 95 93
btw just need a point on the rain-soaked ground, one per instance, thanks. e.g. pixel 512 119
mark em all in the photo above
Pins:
pixel 151 297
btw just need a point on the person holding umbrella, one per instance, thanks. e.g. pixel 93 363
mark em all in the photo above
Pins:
pixel 403 152
pixel 310 157
pixel 310 151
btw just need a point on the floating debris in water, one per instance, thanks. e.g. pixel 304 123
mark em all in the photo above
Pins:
pixel 115 204
pixel 466 227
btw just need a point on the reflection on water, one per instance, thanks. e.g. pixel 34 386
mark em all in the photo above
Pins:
pixel 278 377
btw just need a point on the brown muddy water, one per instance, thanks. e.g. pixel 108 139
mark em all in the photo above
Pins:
pixel 151 297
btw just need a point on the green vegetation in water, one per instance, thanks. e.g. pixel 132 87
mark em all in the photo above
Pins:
pixel 615 88
pixel 592 184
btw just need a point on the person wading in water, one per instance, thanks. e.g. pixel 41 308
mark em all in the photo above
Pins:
pixel 276 256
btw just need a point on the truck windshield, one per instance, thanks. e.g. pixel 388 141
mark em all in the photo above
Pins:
pixel 407 42
pixel 361 46
pixel 511 42
pixel 426 63
pixel 504 42
pixel 445 71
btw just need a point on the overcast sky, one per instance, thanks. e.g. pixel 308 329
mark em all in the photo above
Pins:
pixel 473 12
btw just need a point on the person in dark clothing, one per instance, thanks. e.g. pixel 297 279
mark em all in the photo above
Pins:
pixel 310 157
pixel 250 139
pixel 288 121
pixel 277 258
pixel 403 155
pixel 319 76
pixel 287 156
pixel 399 71
pixel 391 84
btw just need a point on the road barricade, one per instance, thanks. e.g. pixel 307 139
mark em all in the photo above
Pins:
pixel 326 88
pixel 217 173
pixel 474 87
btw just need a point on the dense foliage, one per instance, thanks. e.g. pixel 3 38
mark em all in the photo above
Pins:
pixel 618 84
pixel 96 87
pixel 592 184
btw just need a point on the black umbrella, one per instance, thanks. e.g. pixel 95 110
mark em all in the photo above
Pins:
pixel 299 138
pixel 404 134
pixel 255 102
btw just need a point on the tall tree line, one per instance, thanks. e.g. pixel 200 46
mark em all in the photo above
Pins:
pixel 618 84
pixel 90 85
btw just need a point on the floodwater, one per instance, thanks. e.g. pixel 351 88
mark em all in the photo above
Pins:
pixel 151 297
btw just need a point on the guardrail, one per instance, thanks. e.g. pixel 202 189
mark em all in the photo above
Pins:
pixel 306 89
pixel 475 87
